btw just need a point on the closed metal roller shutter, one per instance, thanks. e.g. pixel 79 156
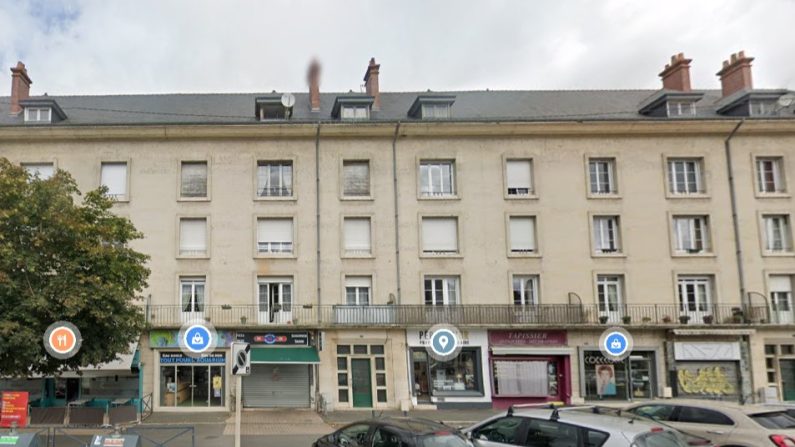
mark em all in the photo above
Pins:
pixel 276 386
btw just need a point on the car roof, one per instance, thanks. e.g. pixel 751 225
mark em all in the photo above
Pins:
pixel 586 417
pixel 726 407
pixel 413 425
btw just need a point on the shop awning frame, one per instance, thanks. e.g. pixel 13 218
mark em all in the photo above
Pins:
pixel 278 355
pixel 527 350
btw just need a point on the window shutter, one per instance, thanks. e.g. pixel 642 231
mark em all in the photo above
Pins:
pixel 44 170
pixel 275 230
pixel 194 179
pixel 522 234
pixel 439 234
pixel 357 234
pixel 192 236
pixel 358 281
pixel 114 176
pixel 781 283
pixel 356 177
pixel 518 173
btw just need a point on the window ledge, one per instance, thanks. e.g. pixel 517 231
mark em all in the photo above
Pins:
pixel 532 196
pixel 773 195
pixel 195 257
pixel 671 195
pixel 126 200
pixel 777 254
pixel 275 256
pixel 610 196
pixel 618 255
pixel 275 199
pixel 424 255
pixel 706 254
pixel 357 198
pixel 533 254
pixel 436 198
pixel 193 199
pixel 357 256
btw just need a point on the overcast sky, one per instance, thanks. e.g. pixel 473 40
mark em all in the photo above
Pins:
pixel 158 46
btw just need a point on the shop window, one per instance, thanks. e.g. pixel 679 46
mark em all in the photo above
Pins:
pixel 343 349
pixel 342 395
pixel 525 378
pixel 342 379
pixel 460 374
pixel 380 365
pixel 360 349
pixel 381 395
pixel 192 385
pixel 377 349
pixel 342 363
pixel 380 379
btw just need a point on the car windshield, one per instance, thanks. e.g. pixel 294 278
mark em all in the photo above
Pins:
pixel 443 440
pixel 660 439
pixel 775 419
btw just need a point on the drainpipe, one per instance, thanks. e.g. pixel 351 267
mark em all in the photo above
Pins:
pixel 735 220
pixel 397 208
pixel 317 217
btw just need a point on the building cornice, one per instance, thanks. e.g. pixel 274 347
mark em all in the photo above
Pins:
pixel 583 129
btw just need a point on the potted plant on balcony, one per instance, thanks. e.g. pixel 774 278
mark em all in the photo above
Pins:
pixel 603 319
pixel 666 319
pixel 243 319
pixel 627 319
pixel 708 319
pixel 683 319
pixel 646 320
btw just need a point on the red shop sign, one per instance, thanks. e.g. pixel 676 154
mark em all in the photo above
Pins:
pixel 527 338
pixel 14 408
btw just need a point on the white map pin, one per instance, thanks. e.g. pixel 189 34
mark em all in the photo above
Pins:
pixel 444 341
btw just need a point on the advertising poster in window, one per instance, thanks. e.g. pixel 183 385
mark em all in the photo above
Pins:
pixel 606 380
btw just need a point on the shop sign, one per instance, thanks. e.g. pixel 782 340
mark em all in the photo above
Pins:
pixel 170 339
pixel 707 379
pixel 706 351
pixel 527 338
pixel 14 409
pixel 597 359
pixel 275 338
pixel 173 358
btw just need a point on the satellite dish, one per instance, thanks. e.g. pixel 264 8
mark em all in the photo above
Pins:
pixel 786 100
pixel 288 100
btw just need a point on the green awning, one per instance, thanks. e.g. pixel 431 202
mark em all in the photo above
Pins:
pixel 284 355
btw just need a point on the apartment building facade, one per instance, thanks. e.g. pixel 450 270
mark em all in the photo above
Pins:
pixel 331 231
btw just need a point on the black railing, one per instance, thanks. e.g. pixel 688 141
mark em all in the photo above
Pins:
pixel 475 314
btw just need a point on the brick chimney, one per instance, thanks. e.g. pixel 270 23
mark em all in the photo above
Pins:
pixel 736 74
pixel 371 83
pixel 20 87
pixel 313 78
pixel 676 75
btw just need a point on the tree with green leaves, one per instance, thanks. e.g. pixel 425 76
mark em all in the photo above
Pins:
pixel 64 257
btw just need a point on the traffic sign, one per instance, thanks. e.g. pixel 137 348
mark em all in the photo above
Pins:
pixel 62 340
pixel 241 356
pixel 616 344
pixel 198 338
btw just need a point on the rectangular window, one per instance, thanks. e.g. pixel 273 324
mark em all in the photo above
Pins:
pixel 355 112
pixel 356 178
pixel 114 177
pixel 695 294
pixel 601 172
pixel 274 179
pixel 193 237
pixel 192 294
pixel 358 290
pixel 42 170
pixel 439 235
pixel 522 234
pixel 691 234
pixel 275 300
pixel 435 111
pixel 777 233
pixel 437 178
pixel 606 234
pixel 38 114
pixel 275 235
pixel 194 179
pixel 609 293
pixel 769 175
pixel 519 177
pixel 356 236
pixel 525 290
pixel 680 108
pixel 781 297
pixel 523 378
pixel 460 375
pixel 441 291
pixel 685 176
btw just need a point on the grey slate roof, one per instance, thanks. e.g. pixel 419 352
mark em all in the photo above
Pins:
pixel 238 108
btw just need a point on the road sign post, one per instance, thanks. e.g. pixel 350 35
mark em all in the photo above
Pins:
pixel 241 358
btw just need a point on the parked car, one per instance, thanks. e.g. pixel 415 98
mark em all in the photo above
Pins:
pixel 724 424
pixel 395 432
pixel 571 427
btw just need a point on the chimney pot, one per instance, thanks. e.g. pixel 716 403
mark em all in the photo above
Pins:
pixel 20 87
pixel 313 79
pixel 371 83
pixel 676 75
pixel 735 75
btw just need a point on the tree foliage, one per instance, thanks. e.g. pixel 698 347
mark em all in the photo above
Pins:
pixel 63 258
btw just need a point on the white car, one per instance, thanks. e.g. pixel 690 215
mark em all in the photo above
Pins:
pixel 572 427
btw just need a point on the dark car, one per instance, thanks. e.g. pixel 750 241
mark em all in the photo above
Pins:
pixel 394 432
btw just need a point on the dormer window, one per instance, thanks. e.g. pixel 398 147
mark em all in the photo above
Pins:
pixel 355 112
pixel 680 108
pixel 761 107
pixel 38 115
pixel 435 111
pixel 352 107
pixel 432 107
pixel 274 107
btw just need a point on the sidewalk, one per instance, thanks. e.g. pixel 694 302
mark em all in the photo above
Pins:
pixel 455 418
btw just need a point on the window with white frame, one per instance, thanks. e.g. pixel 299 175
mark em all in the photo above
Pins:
pixel 356 236
pixel 606 234
pixel 358 112
pixel 695 293
pixel 356 178
pixel 435 111
pixel 522 231
pixel 275 295
pixel 519 177
pixel 358 290
pixel 274 178
pixel 525 290
pixel 781 293
pixel 192 297
pixel 769 175
pixel 193 236
pixel 114 176
pixel 193 179
pixel 439 235
pixel 437 178
pixel 685 176
pixel 691 234
pixel 38 114
pixel 680 108
pixel 777 233
pixel 609 291
pixel 441 290
pixel 602 175
pixel 42 170
pixel 274 235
